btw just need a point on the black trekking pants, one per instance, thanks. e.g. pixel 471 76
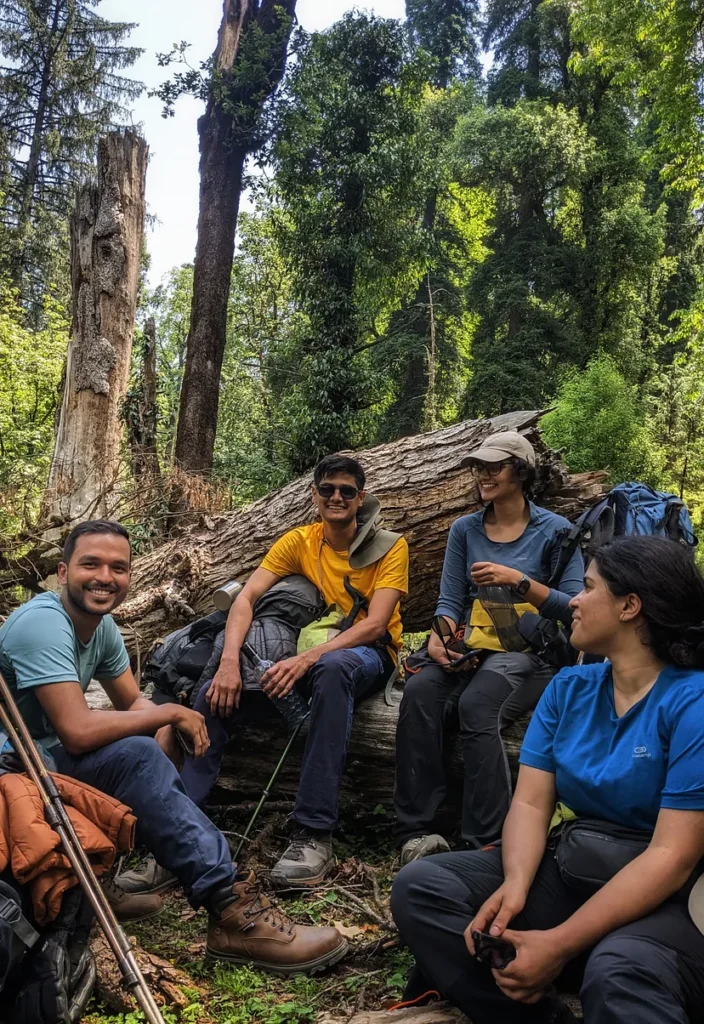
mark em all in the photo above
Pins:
pixel 647 972
pixel 505 686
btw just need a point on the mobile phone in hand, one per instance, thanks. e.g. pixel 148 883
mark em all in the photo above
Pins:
pixel 465 657
pixel 185 742
pixel 493 951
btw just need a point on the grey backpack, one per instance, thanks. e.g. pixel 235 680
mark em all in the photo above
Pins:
pixel 179 665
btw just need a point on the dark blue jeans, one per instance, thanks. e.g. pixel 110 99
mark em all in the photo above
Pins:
pixel 335 683
pixel 138 773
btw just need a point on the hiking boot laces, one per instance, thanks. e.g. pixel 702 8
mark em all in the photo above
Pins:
pixel 299 841
pixel 267 912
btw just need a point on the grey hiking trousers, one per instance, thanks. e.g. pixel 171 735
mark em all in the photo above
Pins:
pixel 505 686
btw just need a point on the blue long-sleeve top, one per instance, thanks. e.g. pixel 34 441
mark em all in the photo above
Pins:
pixel 534 553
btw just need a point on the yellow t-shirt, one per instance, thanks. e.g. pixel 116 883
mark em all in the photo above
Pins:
pixel 299 552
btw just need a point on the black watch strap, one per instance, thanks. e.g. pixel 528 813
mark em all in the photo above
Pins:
pixel 523 586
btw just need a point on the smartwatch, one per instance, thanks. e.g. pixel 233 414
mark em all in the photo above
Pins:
pixel 523 586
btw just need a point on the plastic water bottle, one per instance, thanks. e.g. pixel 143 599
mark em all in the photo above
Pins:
pixel 292 706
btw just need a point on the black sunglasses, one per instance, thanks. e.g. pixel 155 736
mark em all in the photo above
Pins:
pixel 347 491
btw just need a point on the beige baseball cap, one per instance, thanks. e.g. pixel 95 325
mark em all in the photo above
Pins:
pixel 502 446
pixel 696 904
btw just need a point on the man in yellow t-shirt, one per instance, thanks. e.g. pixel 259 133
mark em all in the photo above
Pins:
pixel 346 542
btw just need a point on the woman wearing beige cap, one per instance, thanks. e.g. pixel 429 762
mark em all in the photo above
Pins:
pixel 511 542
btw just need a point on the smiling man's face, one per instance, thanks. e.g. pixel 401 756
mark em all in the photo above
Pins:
pixel 97 575
pixel 340 499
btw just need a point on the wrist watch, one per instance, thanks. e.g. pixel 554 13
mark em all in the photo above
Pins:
pixel 523 586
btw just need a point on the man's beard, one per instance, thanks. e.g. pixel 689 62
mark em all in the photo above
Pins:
pixel 75 596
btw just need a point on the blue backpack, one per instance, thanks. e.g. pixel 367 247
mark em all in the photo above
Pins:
pixel 627 510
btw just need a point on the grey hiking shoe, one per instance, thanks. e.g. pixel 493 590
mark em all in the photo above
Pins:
pixel 148 876
pixel 422 846
pixel 305 862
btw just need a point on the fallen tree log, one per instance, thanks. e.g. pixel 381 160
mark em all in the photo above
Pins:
pixel 422 486
pixel 368 780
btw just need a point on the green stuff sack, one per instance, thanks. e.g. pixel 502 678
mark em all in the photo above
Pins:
pixel 319 631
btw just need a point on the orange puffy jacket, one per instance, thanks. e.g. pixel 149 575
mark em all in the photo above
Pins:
pixel 31 848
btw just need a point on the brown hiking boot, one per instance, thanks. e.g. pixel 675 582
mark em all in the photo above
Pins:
pixel 128 906
pixel 246 928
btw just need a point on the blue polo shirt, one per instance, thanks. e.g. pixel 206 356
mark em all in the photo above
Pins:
pixel 621 769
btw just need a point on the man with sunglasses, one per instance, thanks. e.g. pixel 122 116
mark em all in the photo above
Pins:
pixel 345 543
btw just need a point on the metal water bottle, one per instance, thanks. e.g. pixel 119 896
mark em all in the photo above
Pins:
pixel 292 706
pixel 225 595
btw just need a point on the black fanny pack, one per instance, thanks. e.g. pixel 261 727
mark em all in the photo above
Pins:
pixel 546 639
pixel 589 852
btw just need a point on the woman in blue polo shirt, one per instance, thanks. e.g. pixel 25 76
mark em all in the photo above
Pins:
pixel 622 742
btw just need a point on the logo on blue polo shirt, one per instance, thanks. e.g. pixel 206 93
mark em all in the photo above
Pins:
pixel 641 752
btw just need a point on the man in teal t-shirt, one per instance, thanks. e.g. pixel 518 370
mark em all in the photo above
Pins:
pixel 43 647
pixel 50 648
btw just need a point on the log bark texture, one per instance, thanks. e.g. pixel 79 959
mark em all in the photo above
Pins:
pixel 422 486
pixel 106 242
pixel 228 131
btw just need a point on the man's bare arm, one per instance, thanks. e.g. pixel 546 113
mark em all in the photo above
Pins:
pixel 82 729
pixel 224 693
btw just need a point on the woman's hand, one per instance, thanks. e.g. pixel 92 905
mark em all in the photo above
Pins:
pixel 540 957
pixel 495 913
pixel 437 652
pixel 488 573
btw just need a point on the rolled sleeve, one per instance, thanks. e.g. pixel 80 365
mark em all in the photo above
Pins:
pixel 41 649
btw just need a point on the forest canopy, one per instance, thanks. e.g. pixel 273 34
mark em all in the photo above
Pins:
pixel 482 208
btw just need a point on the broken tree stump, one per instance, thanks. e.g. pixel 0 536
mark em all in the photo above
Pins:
pixel 106 250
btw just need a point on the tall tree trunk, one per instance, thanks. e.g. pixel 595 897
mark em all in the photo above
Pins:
pixel 106 242
pixel 141 415
pixel 226 139
pixel 26 208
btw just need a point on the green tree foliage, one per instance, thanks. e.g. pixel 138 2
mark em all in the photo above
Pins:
pixel 535 158
pixel 655 50
pixel 61 87
pixel 598 423
pixel 350 170
pixel 448 30
pixel 31 364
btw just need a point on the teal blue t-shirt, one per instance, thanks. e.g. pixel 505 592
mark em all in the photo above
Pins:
pixel 39 645
pixel 621 769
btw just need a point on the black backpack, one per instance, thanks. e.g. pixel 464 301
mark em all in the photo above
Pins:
pixel 178 666
pixel 16 933
pixel 53 982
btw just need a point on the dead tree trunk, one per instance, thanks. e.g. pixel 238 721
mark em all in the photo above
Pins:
pixel 228 132
pixel 106 241
pixel 141 416
pixel 422 486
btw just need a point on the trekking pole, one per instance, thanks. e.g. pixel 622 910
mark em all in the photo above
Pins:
pixel 56 816
pixel 267 791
